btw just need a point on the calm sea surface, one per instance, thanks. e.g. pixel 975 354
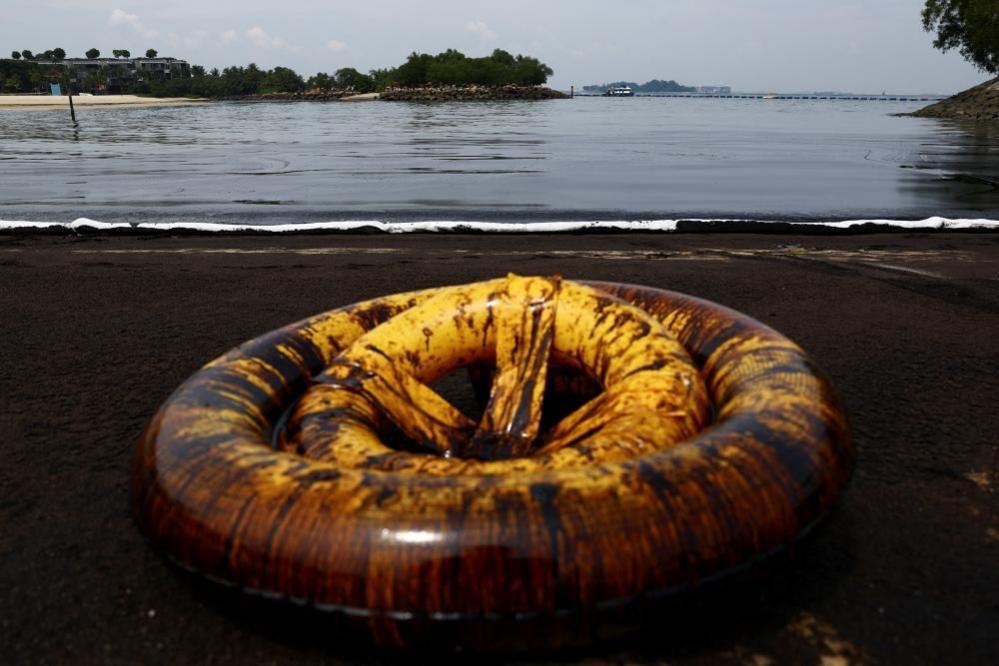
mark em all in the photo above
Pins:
pixel 585 159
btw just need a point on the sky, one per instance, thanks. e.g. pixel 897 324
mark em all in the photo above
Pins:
pixel 751 45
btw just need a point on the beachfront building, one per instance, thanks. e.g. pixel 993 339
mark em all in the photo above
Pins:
pixel 715 90
pixel 110 73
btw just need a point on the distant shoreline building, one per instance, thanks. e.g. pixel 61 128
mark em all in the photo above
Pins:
pixel 121 68
pixel 715 90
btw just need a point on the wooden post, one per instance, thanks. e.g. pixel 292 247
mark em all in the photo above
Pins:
pixel 69 93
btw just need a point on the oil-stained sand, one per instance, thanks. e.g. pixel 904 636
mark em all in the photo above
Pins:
pixel 97 332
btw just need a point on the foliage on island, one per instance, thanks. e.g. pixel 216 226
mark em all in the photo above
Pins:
pixel 454 68
pixel 450 68
pixel 970 26
pixel 653 86
pixel 16 75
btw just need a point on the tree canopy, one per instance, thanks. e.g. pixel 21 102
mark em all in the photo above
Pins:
pixel 455 68
pixel 421 69
pixel 49 54
pixel 22 76
pixel 970 26
pixel 348 77
pixel 281 79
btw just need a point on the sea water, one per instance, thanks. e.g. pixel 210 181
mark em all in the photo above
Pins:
pixel 630 163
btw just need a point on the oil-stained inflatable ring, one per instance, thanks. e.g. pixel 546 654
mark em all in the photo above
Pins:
pixel 484 559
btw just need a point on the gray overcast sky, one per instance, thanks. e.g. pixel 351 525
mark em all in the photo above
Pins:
pixel 781 45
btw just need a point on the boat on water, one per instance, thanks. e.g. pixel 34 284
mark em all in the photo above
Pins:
pixel 624 91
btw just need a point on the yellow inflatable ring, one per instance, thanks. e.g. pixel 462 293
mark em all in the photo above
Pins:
pixel 265 470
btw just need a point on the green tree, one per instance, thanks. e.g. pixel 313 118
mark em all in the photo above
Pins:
pixel 92 54
pixel 320 80
pixel 91 81
pixel 531 71
pixel 151 53
pixel 16 55
pixel 970 26
pixel 59 54
pixel 27 54
pixel 382 78
pixel 503 57
pixel 454 68
pixel 348 77
pixel 414 71
pixel 281 79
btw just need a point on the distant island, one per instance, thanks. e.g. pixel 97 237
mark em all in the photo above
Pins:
pixel 653 86
pixel 445 76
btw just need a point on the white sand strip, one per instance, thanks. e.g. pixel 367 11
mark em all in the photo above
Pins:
pixel 49 101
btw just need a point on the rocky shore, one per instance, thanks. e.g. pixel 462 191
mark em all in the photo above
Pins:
pixel 313 95
pixel 470 93
pixel 421 94
pixel 978 103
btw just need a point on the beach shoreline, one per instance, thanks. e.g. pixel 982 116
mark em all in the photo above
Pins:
pixel 581 226
pixel 61 101
pixel 101 329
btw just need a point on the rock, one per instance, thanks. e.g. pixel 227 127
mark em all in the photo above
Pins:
pixel 978 103
pixel 470 93
pixel 313 95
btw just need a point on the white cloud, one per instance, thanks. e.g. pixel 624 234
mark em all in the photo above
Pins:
pixel 259 37
pixel 229 36
pixel 480 28
pixel 122 18
pixel 336 45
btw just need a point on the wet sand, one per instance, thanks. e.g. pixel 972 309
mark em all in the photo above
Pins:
pixel 49 102
pixel 98 331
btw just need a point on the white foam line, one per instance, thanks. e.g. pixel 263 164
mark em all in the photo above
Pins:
pixel 83 223
pixel 928 223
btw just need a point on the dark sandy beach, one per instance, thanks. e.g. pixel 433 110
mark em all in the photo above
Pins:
pixel 97 331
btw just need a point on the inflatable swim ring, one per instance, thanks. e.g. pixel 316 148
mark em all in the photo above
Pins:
pixel 315 464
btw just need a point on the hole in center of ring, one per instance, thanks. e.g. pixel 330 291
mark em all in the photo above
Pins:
pixel 468 389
